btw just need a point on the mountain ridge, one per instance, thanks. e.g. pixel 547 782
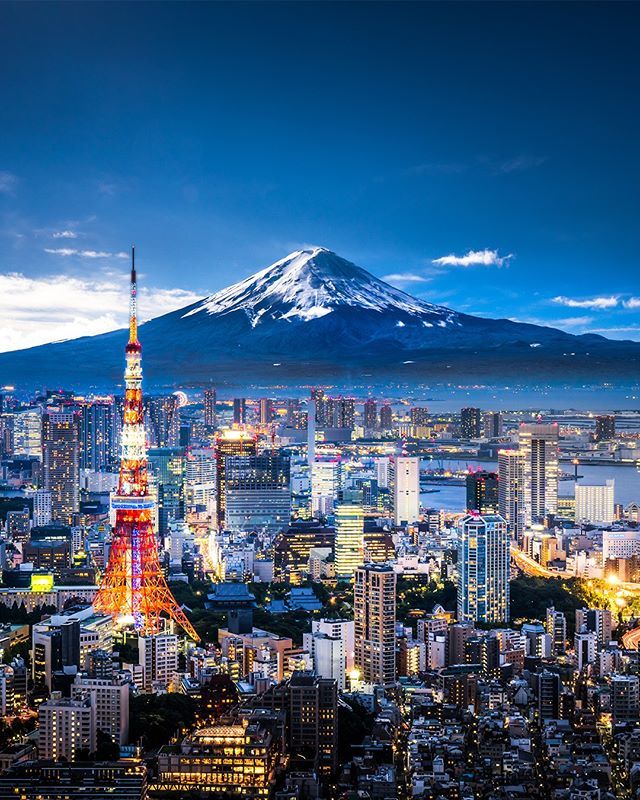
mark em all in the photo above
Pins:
pixel 313 315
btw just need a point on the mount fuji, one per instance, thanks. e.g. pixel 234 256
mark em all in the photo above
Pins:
pixel 315 317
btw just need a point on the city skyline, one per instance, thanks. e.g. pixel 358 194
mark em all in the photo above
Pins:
pixel 441 173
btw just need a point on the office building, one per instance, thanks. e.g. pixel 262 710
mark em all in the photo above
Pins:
pixel 265 411
pixel 595 504
pixel 370 414
pixel 200 480
pixel 292 549
pixel 210 411
pixel 620 544
pixel 239 411
pixel 625 698
pixel 598 621
pixel 258 493
pixel 349 541
pixel 386 418
pixel 111 702
pixel 41 499
pixel 375 619
pixel 483 569
pixel 557 629
pixel 471 423
pixel 97 451
pixel 313 720
pixel 331 647
pixel 549 689
pixel 27 433
pixel 158 657
pixel 162 421
pixel 231 758
pixel 420 417
pixel 585 644
pixel 492 425
pixel 42 780
pixel 325 483
pixel 230 443
pixel 61 462
pixel 482 492
pixel 511 491
pixel 167 465
pixel 605 428
pixel 404 482
pixel 539 444
pixel 66 727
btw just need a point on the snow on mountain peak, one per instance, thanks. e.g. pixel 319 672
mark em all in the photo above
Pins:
pixel 311 283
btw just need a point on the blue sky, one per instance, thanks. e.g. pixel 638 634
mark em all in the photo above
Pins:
pixel 483 155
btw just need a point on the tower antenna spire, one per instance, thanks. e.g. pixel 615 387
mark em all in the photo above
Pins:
pixel 133 300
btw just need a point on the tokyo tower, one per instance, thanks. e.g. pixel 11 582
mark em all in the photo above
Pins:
pixel 133 588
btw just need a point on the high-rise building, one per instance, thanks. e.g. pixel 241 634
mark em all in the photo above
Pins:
pixel 595 620
pixel 163 421
pixel 340 412
pixel 492 424
pixel 167 465
pixel 325 483
pixel 539 444
pixel 386 418
pixel 549 688
pixel 625 697
pixel 292 548
pixel 66 727
pixel 230 443
pixel 370 414
pixel 404 482
pixel 557 628
pixel 313 721
pixel 111 702
pixel 482 492
pixel 158 657
pixel 239 411
pixel 27 433
pixel 349 539
pixel 258 492
pixel 471 423
pixel 483 569
pixel 605 428
pixel 61 462
pixel 97 436
pixel 210 412
pixel 511 490
pixel 200 480
pixel 585 646
pixel 595 504
pixel 265 411
pixel 318 397
pixel 331 646
pixel 375 619
pixel 420 416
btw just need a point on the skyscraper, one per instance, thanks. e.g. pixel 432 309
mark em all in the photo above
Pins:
pixel 386 418
pixel 404 481
pixel 471 426
pixel 539 444
pixel 258 494
pixel 595 504
pixel 230 443
pixel 605 428
pixel 61 462
pixel 349 539
pixel 511 490
pixel 163 421
pixel 27 433
pixel 325 482
pixel 239 411
pixel 420 416
pixel 375 619
pixel 266 411
pixel 66 727
pixel 97 436
pixel 483 569
pixel 370 414
pixel 482 492
pixel 167 464
pixel 492 424
pixel 210 413
pixel 557 628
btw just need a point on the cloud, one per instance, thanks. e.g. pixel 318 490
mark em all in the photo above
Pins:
pixel 38 310
pixel 520 163
pixel 486 258
pixel 593 303
pixel 632 302
pixel 566 322
pixel 64 235
pixel 8 182
pixel 71 251
pixel 404 277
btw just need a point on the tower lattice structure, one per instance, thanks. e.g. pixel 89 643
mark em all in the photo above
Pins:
pixel 133 588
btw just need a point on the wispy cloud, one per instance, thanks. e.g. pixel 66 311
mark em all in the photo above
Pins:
pixel 564 323
pixel 38 310
pixel 71 251
pixel 593 303
pixel 472 258
pixel 519 163
pixel 403 278
pixel 632 302
pixel 8 182
pixel 64 235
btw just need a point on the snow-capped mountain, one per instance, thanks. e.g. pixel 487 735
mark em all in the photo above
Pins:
pixel 314 317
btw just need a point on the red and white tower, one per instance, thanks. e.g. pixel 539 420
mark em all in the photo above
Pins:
pixel 133 587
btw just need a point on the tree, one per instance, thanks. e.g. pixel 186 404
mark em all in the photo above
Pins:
pixel 156 718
